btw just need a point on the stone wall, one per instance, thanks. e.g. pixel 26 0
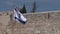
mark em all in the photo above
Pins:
pixel 37 23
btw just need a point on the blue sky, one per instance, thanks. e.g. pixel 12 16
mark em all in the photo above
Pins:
pixel 42 5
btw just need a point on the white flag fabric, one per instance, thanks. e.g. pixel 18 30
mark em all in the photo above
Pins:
pixel 18 16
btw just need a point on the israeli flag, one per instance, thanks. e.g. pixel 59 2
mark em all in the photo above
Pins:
pixel 17 15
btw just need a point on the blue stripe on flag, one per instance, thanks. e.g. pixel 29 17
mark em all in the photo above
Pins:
pixel 23 22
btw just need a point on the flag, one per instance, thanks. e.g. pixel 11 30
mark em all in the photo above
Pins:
pixel 18 16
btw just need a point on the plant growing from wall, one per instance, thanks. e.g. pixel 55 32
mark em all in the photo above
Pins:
pixel 48 15
pixel 34 7
pixel 10 16
pixel 23 10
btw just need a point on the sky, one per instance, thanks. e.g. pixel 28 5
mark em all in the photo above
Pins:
pixel 41 5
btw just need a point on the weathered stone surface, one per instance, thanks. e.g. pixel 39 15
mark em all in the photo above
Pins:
pixel 37 23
